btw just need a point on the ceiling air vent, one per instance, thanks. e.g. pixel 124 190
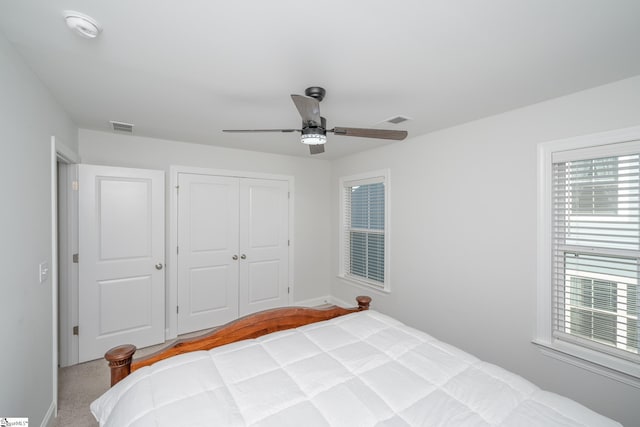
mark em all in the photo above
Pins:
pixel 397 119
pixel 122 127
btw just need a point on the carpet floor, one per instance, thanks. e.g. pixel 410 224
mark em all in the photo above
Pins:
pixel 78 386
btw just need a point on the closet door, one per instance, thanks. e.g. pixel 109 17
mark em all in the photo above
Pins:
pixel 264 251
pixel 207 245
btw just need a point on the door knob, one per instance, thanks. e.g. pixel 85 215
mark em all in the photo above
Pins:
pixel 243 256
pixel 235 257
pixel 159 266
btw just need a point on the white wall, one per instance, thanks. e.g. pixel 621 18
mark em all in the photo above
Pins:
pixel 311 196
pixel 463 235
pixel 28 118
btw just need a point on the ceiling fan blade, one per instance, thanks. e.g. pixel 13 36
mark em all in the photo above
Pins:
pixel 309 109
pixel 261 130
pixel 316 149
pixel 397 135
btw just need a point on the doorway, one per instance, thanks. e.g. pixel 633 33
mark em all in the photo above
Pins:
pixel 67 233
pixel 62 159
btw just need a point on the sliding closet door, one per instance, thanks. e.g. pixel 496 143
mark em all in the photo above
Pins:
pixel 264 231
pixel 207 251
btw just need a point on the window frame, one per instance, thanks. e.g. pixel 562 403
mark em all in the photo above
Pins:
pixel 604 363
pixel 345 182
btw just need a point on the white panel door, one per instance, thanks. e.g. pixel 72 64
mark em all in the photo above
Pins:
pixel 208 244
pixel 121 251
pixel 264 236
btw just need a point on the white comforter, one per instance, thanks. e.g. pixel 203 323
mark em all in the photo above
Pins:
pixel 363 369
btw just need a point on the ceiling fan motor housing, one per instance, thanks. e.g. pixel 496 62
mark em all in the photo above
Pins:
pixel 315 130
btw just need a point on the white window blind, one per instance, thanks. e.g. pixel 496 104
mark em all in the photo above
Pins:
pixel 596 248
pixel 363 234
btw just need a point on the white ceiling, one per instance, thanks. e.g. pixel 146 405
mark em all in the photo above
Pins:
pixel 185 70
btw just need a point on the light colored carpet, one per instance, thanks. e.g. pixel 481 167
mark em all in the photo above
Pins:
pixel 79 385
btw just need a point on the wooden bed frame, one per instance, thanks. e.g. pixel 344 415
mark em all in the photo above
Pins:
pixel 251 326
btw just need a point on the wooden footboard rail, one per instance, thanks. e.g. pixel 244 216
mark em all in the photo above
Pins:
pixel 251 326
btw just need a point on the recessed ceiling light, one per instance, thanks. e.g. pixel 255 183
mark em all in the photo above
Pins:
pixel 82 24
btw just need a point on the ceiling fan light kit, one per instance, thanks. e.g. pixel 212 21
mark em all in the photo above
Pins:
pixel 313 139
pixel 314 133
pixel 314 127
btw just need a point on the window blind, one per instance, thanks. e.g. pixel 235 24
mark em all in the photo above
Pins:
pixel 596 248
pixel 364 230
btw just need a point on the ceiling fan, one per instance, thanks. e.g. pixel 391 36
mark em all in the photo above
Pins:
pixel 314 127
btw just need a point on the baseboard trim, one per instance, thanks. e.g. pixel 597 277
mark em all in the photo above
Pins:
pixel 340 303
pixel 313 302
pixel 50 416
pixel 327 299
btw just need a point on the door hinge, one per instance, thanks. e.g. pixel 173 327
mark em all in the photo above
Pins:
pixel 178 250
pixel 177 309
pixel 288 194
pixel 288 290
pixel 288 242
pixel 76 330
pixel 75 258
pixel 75 185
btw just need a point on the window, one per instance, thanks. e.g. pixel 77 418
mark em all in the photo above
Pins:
pixel 589 250
pixel 594 186
pixel 364 232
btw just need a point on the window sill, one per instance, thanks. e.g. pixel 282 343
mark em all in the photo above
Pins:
pixel 364 285
pixel 602 364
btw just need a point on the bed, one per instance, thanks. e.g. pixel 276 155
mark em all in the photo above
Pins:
pixel 332 367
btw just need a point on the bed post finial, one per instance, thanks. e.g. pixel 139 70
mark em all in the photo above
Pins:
pixel 363 302
pixel 119 359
